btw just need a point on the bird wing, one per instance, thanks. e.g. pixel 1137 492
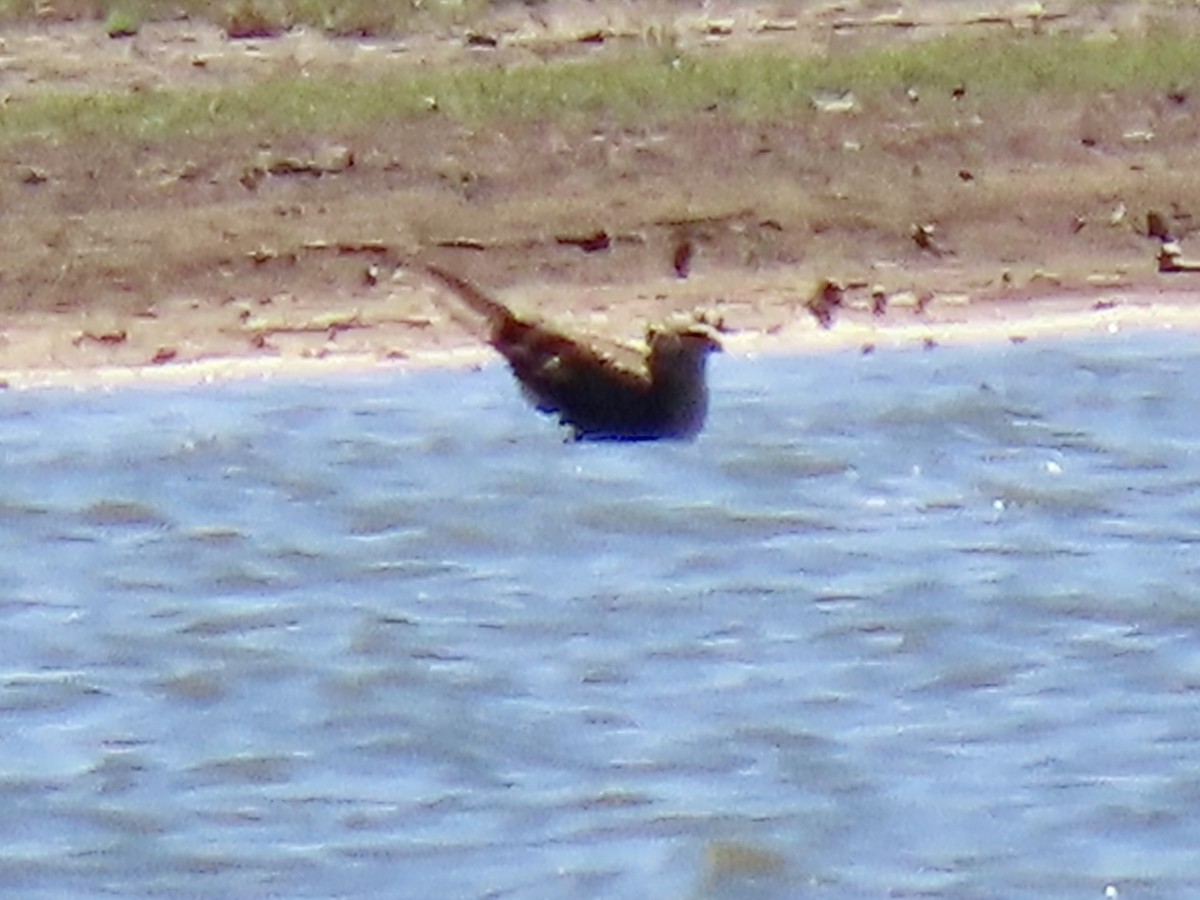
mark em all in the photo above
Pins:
pixel 561 374
pixel 545 359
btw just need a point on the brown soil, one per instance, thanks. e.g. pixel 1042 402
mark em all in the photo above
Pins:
pixel 253 254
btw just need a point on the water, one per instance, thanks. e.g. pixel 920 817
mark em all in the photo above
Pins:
pixel 914 624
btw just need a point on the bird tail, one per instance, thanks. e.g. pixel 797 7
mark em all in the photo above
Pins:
pixel 495 312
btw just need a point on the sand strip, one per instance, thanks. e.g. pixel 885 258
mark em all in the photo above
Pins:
pixel 983 322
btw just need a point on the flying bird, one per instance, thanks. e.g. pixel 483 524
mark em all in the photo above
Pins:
pixel 601 390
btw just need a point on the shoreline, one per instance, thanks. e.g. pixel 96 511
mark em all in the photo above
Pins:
pixel 1048 317
pixel 148 250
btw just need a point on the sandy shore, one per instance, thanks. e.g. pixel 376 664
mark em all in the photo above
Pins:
pixel 948 322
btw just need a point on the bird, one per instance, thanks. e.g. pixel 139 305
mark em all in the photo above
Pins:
pixel 1157 226
pixel 601 391
pixel 825 300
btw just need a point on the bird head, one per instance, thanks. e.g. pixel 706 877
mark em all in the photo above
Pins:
pixel 694 338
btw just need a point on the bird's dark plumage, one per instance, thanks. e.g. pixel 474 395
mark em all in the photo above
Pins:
pixel 602 391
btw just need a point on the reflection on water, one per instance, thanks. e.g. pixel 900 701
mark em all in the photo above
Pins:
pixel 909 624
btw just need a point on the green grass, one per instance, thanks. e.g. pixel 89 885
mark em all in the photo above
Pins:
pixel 338 17
pixel 122 21
pixel 638 87
pixel 1037 64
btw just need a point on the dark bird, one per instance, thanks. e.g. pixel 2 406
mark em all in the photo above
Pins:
pixel 922 236
pixel 602 391
pixel 825 301
pixel 1157 226
pixel 879 300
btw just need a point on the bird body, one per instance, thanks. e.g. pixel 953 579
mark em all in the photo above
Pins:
pixel 602 391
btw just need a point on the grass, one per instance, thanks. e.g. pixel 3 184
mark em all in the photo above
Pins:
pixel 638 87
pixel 122 22
pixel 763 84
pixel 338 17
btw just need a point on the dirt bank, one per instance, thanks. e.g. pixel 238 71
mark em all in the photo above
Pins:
pixel 196 255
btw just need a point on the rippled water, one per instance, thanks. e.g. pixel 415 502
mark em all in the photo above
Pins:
pixel 913 624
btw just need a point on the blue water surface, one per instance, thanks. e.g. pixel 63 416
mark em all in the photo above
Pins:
pixel 909 624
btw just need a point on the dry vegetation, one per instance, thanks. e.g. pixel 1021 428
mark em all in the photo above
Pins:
pixel 1034 154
